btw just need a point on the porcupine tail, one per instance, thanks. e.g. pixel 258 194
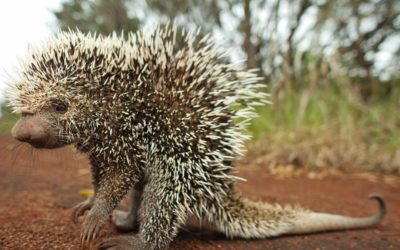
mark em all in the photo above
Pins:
pixel 246 219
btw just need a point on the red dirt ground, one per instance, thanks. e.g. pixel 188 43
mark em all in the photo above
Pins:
pixel 39 188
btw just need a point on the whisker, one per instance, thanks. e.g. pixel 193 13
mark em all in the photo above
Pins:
pixel 10 116
pixel 8 146
pixel 15 146
pixel 32 158
pixel 16 152
pixel 36 158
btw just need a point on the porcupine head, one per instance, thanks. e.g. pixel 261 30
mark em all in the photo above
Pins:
pixel 79 87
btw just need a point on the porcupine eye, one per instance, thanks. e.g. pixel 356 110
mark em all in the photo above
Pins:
pixel 60 106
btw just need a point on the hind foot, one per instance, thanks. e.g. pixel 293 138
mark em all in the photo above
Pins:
pixel 125 221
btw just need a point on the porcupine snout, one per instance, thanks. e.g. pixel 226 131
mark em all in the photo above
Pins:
pixel 33 130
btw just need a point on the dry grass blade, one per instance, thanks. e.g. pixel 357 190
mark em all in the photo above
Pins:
pixel 328 149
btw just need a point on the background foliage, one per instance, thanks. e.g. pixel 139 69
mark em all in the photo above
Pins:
pixel 332 68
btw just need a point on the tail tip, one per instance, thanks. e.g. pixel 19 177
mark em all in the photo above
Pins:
pixel 382 204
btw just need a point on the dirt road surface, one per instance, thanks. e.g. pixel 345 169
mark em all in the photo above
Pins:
pixel 39 188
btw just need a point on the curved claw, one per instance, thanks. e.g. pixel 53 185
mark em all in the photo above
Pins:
pixel 80 209
pixel 89 232
pixel 121 243
pixel 92 224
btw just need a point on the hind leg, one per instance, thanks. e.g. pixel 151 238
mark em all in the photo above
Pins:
pixel 128 221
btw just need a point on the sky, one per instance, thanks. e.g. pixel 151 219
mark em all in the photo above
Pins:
pixel 23 22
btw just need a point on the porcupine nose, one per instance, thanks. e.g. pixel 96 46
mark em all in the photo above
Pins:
pixel 24 137
pixel 27 130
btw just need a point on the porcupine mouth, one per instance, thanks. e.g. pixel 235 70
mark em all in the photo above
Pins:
pixel 48 142
pixel 45 145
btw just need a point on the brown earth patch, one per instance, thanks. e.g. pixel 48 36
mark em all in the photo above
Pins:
pixel 39 188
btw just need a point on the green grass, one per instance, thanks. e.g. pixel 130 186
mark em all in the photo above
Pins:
pixel 7 120
pixel 330 125
pixel 331 107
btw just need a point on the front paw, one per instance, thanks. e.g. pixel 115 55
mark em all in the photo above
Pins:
pixel 81 208
pixel 92 224
pixel 124 221
pixel 123 243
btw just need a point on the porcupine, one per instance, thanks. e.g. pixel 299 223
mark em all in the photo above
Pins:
pixel 163 119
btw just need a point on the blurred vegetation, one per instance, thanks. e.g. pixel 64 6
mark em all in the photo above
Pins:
pixel 328 127
pixel 332 68
pixel 100 16
pixel 7 119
